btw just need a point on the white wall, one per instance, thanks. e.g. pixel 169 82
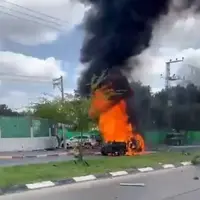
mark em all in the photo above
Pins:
pixel 27 144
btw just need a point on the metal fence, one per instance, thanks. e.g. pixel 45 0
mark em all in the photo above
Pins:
pixel 24 127
pixel 155 138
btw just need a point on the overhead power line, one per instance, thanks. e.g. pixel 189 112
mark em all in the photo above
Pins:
pixel 33 11
pixel 30 15
pixel 30 20
pixel 20 77
pixel 22 14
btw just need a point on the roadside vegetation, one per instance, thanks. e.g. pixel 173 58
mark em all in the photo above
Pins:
pixel 61 170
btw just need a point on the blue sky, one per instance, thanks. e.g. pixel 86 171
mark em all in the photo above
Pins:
pixel 66 49
pixel 30 47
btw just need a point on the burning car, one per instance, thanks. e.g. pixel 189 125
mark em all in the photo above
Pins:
pixel 109 105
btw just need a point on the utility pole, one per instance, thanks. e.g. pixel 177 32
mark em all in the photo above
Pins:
pixel 168 79
pixel 58 82
pixel 168 76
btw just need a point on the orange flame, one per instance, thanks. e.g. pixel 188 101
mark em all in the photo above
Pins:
pixel 113 120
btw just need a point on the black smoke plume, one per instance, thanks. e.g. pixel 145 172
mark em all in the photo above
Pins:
pixel 116 30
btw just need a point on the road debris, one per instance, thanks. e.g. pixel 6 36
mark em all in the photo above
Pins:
pixel 133 184
pixel 196 178
pixel 196 160
pixel 196 163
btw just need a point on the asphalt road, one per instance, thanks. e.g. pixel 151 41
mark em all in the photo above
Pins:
pixel 26 161
pixel 35 160
pixel 176 148
pixel 175 184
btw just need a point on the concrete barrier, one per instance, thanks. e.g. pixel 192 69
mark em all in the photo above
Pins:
pixel 27 144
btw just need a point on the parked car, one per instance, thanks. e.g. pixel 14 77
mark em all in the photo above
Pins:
pixel 98 139
pixel 86 140
pixel 175 138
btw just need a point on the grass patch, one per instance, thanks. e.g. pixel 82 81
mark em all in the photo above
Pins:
pixel 60 170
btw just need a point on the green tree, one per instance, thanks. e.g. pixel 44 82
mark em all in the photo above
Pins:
pixel 49 110
pixel 76 113
pixel 185 109
pixel 72 111
pixel 6 111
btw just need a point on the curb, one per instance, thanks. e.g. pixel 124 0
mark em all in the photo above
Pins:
pixel 46 184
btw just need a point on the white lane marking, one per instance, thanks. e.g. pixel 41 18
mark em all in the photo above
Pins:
pixel 40 185
pixel 167 166
pixel 84 178
pixel 186 163
pixel 119 173
pixel 145 169
pixel 41 156
pixel 63 154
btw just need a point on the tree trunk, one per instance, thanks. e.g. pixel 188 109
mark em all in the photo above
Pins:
pixel 63 135
pixel 81 149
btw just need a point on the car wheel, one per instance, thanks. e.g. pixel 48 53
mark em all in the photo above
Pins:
pixel 103 151
pixel 90 145
pixel 122 153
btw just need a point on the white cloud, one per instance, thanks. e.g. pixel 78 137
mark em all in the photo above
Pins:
pixel 179 32
pixel 190 69
pixel 19 64
pixel 17 25
pixel 79 69
pixel 15 99
pixel 25 78
pixel 20 100
pixel 69 91
pixel 174 37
